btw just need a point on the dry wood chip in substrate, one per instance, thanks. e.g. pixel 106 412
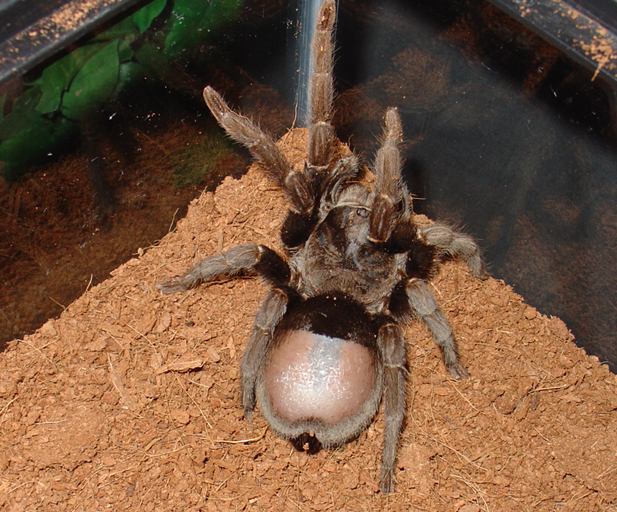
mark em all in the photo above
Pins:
pixel 131 400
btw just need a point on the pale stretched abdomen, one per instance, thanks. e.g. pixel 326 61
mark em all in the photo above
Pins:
pixel 312 376
pixel 322 374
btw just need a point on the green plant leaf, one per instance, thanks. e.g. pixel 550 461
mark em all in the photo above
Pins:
pixel 185 18
pixel 93 84
pixel 52 86
pixel 193 22
pixel 125 52
pixel 24 112
pixel 33 144
pixel 129 73
pixel 56 77
pixel 220 13
pixel 24 149
pixel 144 17
pixel 120 30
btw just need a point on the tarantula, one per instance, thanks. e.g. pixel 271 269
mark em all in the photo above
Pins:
pixel 327 343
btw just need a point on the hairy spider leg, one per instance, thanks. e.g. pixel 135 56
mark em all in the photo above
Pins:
pixel 424 305
pixel 254 258
pixel 270 313
pixel 389 224
pixel 308 185
pixel 251 258
pixel 321 134
pixel 388 162
pixel 392 346
pixel 452 244
pixel 391 204
pixel 241 129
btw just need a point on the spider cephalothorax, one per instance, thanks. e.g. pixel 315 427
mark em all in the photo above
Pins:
pixel 327 343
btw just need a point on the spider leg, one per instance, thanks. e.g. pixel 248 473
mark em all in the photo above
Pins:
pixel 392 199
pixel 244 131
pixel 346 169
pixel 392 345
pixel 456 245
pixel 299 225
pixel 302 188
pixel 388 161
pixel 267 318
pixel 321 134
pixel 265 152
pixel 253 257
pixel 423 303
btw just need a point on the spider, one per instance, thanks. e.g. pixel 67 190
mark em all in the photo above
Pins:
pixel 327 343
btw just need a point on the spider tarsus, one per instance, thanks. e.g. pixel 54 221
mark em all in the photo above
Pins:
pixel 455 245
pixel 170 287
pixel 299 193
pixel 215 103
pixel 327 16
pixel 477 268
pixel 393 127
pixel 382 218
pixel 248 414
pixel 321 142
pixel 386 481
pixel 458 371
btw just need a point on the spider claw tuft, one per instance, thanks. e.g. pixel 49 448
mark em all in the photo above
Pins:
pixel 458 371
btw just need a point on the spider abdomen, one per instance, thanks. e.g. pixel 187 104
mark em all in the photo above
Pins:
pixel 322 378
pixel 316 377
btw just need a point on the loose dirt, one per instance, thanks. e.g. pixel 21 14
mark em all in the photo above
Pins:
pixel 131 400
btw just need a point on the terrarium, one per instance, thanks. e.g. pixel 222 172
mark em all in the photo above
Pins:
pixel 116 177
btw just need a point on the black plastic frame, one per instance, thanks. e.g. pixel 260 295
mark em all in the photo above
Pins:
pixel 32 31
pixel 586 30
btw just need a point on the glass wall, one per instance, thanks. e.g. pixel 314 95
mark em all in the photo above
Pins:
pixel 506 137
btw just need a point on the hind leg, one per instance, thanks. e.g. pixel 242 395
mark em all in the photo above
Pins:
pixel 267 318
pixel 423 304
pixel 392 346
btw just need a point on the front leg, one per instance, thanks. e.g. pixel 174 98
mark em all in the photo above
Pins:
pixel 253 258
pixel 321 134
pixel 264 150
pixel 392 345
pixel 391 204
pixel 244 131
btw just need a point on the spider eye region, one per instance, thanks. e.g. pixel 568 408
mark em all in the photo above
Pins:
pixel 312 376
pixel 344 226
